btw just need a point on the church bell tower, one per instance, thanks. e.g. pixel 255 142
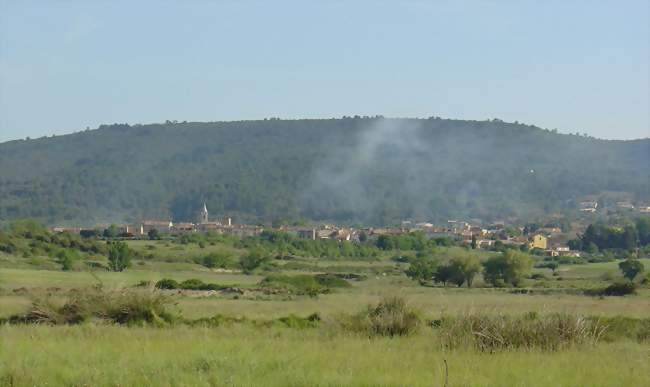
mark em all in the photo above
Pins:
pixel 204 214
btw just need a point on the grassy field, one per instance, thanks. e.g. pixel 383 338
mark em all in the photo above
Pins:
pixel 432 301
pixel 245 354
pixel 98 356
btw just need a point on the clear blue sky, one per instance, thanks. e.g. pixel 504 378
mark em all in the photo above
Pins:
pixel 572 65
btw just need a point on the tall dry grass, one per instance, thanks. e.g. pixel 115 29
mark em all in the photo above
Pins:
pixel 497 332
pixel 121 306
pixel 392 316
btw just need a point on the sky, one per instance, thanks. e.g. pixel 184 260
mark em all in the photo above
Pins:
pixel 575 66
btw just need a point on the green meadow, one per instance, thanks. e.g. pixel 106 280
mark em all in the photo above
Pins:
pixel 250 333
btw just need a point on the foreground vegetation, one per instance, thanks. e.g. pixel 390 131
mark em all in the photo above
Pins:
pixel 276 310
pixel 388 343
pixel 242 355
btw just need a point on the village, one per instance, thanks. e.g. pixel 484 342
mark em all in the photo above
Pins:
pixel 550 240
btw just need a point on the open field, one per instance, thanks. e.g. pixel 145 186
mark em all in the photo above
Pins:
pixel 97 356
pixel 433 301
pixel 261 351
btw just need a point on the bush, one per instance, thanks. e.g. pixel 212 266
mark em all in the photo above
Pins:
pixel 502 332
pixel 509 267
pixel 215 260
pixel 252 261
pixel 293 321
pixel 619 289
pixel 300 284
pixel 331 281
pixel 390 317
pixel 422 269
pixel 631 268
pixel 189 284
pixel 618 327
pixel 192 284
pixel 128 307
pixel 119 256
pixel 167 283
pixel 66 258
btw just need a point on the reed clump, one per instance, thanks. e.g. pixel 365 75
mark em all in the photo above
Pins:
pixel 122 306
pixel 496 332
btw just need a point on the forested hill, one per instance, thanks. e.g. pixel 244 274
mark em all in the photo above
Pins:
pixel 365 170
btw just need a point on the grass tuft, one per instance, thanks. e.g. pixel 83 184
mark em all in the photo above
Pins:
pixel 489 333
pixel 124 306
pixel 390 317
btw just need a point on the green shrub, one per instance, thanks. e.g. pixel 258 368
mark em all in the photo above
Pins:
pixel 293 321
pixel 216 321
pixel 192 284
pixel 390 317
pixel 619 289
pixel 619 327
pixel 300 284
pixel 252 261
pixel 167 283
pixel 119 256
pixel 215 260
pixel 189 284
pixel 509 267
pixel 331 281
pixel 631 268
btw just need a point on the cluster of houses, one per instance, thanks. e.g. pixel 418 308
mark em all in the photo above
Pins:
pixel 591 206
pixel 143 228
pixel 550 239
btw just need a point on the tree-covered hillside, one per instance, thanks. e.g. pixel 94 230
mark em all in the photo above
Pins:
pixel 370 170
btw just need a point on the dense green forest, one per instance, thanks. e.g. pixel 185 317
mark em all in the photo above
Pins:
pixel 353 170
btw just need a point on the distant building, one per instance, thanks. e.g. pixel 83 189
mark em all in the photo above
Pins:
pixel 71 230
pixel 134 229
pixel 307 233
pixel 203 215
pixel 182 228
pixel 588 206
pixel 551 230
pixel 457 226
pixel 562 251
pixel 538 241
pixel 162 226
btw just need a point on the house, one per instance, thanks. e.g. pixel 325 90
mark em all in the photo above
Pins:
pixel 626 205
pixel 307 233
pixel 588 206
pixel 551 230
pixel 478 231
pixel 71 230
pixel 162 226
pixel 134 229
pixel 325 234
pixel 562 251
pixel 485 243
pixel 538 241
pixel 181 228
pixel 387 231
pixel 456 226
pixel 242 230
pixel 343 234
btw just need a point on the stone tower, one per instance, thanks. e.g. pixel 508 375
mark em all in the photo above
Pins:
pixel 204 214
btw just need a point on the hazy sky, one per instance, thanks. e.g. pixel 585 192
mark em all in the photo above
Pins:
pixel 572 65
